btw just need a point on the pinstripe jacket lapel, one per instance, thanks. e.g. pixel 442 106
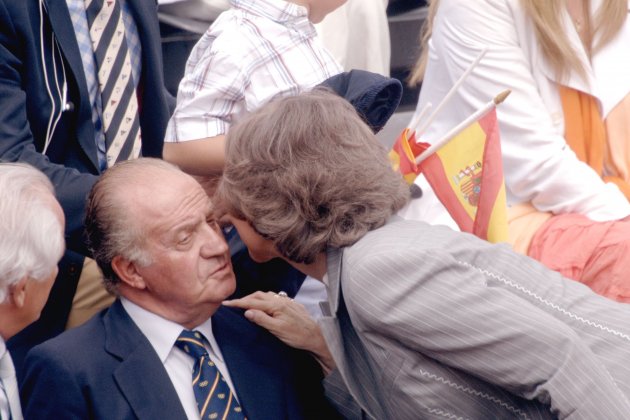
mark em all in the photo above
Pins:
pixel 357 369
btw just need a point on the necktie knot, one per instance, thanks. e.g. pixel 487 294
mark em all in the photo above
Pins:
pixel 191 342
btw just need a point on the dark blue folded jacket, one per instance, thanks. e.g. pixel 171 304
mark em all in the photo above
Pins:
pixel 374 96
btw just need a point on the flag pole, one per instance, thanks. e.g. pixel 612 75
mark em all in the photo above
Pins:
pixel 420 129
pixel 416 121
pixel 461 126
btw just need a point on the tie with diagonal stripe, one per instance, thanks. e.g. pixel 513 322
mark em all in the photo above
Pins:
pixel 121 122
pixel 215 399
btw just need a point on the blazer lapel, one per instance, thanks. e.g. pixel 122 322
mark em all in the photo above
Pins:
pixel 333 263
pixel 148 31
pixel 349 353
pixel 64 32
pixel 63 29
pixel 254 369
pixel 141 376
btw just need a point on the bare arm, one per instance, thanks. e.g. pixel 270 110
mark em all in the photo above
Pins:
pixel 198 157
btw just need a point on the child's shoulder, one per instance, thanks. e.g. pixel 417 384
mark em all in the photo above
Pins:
pixel 235 26
pixel 230 25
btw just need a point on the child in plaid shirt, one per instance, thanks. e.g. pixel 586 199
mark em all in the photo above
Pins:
pixel 257 50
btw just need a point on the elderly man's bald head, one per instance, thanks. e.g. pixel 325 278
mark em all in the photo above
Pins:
pixel 116 206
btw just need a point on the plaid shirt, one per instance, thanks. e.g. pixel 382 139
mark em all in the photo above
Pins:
pixel 80 24
pixel 252 53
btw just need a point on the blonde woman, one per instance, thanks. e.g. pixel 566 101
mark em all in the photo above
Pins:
pixel 565 129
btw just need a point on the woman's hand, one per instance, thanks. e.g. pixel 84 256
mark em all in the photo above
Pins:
pixel 289 321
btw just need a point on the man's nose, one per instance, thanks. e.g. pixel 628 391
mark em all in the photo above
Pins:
pixel 214 243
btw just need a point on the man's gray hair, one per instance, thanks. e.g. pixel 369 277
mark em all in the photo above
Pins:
pixel 112 227
pixel 31 234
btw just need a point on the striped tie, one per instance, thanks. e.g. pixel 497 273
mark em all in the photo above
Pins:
pixel 121 123
pixel 215 399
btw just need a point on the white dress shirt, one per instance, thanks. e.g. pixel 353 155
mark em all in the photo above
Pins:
pixel 9 397
pixel 4 402
pixel 162 335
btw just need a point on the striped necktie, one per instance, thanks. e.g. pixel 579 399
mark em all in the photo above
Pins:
pixel 215 399
pixel 7 376
pixel 121 122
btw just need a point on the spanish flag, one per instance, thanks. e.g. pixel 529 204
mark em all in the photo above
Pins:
pixel 467 176
pixel 403 155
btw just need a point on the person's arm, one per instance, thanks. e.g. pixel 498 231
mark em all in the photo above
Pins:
pixel 17 142
pixel 289 321
pixel 209 96
pixel 197 157
pixel 493 320
pixel 538 165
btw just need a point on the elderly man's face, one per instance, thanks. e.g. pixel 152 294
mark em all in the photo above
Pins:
pixel 191 271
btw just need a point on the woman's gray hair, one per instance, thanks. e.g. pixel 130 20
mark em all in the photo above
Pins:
pixel 31 234
pixel 308 174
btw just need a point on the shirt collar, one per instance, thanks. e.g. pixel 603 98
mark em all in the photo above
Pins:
pixel 280 11
pixel 163 333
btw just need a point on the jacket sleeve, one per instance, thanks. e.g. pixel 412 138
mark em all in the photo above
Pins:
pixel 50 389
pixel 17 142
pixel 464 317
pixel 539 167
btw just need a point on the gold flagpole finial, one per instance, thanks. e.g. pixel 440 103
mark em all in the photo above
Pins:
pixel 501 96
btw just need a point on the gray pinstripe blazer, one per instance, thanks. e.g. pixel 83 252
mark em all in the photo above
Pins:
pixel 424 322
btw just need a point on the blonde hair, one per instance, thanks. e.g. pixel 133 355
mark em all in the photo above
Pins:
pixel 555 45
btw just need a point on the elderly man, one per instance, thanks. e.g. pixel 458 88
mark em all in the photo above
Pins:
pixel 166 348
pixel 81 87
pixel 31 244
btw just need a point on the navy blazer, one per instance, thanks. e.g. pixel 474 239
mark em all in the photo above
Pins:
pixel 71 160
pixel 107 369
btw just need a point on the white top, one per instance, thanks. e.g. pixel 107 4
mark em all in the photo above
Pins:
pixel 357 35
pixel 252 53
pixel 162 335
pixel 539 167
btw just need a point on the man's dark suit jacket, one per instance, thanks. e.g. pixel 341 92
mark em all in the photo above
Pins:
pixel 71 159
pixel 107 369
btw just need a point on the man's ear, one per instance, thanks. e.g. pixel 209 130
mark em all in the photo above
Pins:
pixel 128 272
pixel 17 292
